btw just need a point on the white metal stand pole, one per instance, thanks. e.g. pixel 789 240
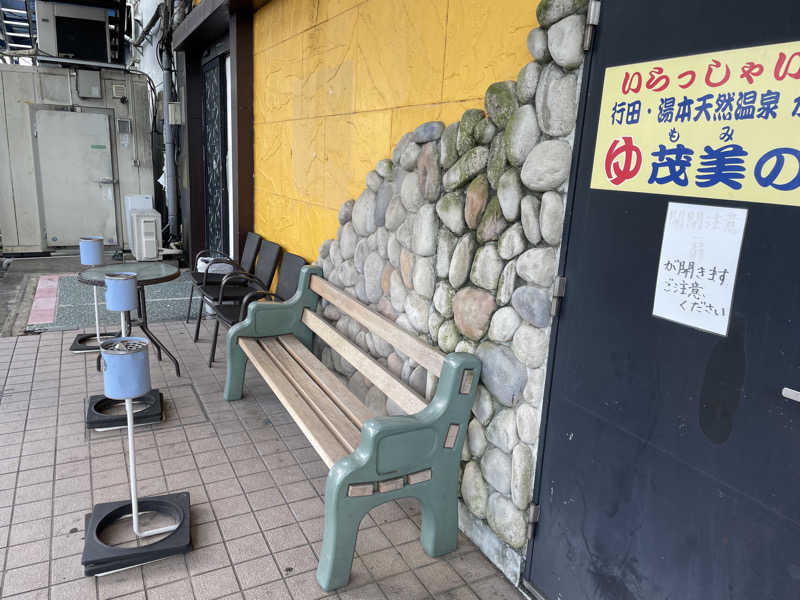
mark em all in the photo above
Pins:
pixel 96 317
pixel 132 467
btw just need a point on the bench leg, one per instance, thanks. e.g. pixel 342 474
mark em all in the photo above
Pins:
pixel 342 518
pixel 234 374
pixel 439 532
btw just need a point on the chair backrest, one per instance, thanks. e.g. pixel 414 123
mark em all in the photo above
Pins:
pixel 249 252
pixel 289 275
pixel 267 262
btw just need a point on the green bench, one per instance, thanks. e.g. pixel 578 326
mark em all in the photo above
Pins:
pixel 372 460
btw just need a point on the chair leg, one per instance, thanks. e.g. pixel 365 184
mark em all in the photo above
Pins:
pixel 189 310
pixel 213 342
pixel 199 318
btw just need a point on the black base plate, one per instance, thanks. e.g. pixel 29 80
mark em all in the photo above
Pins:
pixel 87 342
pixel 99 559
pixel 152 412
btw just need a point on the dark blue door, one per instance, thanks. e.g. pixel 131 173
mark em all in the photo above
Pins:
pixel 671 459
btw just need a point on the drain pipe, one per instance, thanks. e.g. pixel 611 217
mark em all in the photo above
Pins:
pixel 169 144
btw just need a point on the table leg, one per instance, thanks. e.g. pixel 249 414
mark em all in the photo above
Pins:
pixel 160 347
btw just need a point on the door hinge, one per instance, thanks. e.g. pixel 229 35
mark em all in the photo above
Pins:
pixel 592 20
pixel 559 290
pixel 533 518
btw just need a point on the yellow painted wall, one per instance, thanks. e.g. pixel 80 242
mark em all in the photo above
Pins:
pixel 338 82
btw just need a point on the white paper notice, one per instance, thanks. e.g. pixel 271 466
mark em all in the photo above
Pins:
pixel 697 268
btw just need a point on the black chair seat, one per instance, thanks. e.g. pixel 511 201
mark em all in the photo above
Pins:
pixel 211 278
pixel 233 293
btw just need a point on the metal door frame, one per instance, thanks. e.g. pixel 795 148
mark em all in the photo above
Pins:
pixel 580 126
pixel 112 140
pixel 216 60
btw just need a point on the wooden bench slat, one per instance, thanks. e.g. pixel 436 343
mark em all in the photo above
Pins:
pixel 427 356
pixel 324 442
pixel 404 396
pixel 356 411
pixel 324 406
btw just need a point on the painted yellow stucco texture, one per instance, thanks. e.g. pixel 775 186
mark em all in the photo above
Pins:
pixel 338 82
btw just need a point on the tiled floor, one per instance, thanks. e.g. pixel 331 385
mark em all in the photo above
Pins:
pixel 255 485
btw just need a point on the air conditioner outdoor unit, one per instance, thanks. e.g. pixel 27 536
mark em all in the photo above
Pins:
pixel 69 30
pixel 146 234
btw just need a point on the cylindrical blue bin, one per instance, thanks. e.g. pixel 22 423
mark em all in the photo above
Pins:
pixel 91 250
pixel 126 371
pixel 120 291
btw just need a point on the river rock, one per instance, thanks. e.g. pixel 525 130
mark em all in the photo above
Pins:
pixel 384 168
pixel 410 193
pixel 502 431
pixel 503 375
pixel 483 409
pixel 426 225
pixel 448 336
pixel 551 218
pixel 521 476
pixel 325 249
pixel 556 103
pixel 505 322
pixel 417 380
pixel 472 310
pixel 408 160
pixel 395 213
pixel 382 198
pixel 474 490
pixel 486 267
pixel 393 249
pixel 528 420
pixel 476 438
pixel 347 273
pixel 529 208
pixel 496 469
pixel 506 520
pixel 476 198
pixel 427 132
pixel 509 193
pixel 469 165
pixel 501 102
pixel 532 304
pixel 407 267
pixel 467 346
pixel 537 265
pixel 530 345
pixel 386 279
pixel 435 321
pixel 462 260
pixel 423 277
pixel 466 127
pixel 404 141
pixel 522 134
pixel 443 299
pixel 374 180
pixel 448 151
pixel 381 241
pixel 450 209
pixel 445 246
pixel 547 166
pixel 550 11
pixel 492 223
pixel 507 283
pixel 484 131
pixel 398 292
pixel 364 213
pixel 373 274
pixel 565 41
pixel 537 45
pixel 347 240
pixel 429 176
pixel 511 242
pixel 346 212
pixel 416 308
pixel 496 161
pixel 405 233
pixel 527 80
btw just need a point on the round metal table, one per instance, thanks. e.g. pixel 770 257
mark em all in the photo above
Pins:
pixel 147 273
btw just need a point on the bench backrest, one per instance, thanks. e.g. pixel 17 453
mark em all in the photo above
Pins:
pixel 425 355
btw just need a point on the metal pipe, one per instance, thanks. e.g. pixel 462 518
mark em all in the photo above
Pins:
pixel 132 476
pixel 150 24
pixel 169 144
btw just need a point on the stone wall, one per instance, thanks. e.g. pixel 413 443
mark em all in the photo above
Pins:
pixel 456 238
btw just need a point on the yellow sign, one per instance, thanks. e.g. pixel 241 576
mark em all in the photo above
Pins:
pixel 722 125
